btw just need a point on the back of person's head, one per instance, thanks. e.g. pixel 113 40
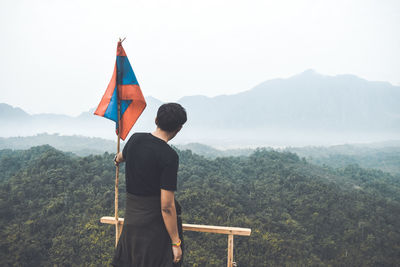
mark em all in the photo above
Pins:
pixel 170 117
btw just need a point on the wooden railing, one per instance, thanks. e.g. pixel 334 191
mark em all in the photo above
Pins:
pixel 230 231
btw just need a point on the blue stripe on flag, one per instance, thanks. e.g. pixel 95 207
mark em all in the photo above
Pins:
pixel 112 109
pixel 124 68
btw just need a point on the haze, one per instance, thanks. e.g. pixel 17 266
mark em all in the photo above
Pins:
pixel 58 56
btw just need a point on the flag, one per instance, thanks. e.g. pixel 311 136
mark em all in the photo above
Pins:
pixel 124 88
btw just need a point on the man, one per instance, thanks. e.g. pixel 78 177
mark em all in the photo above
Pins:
pixel 150 235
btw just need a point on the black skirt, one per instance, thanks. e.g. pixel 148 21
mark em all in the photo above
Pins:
pixel 144 241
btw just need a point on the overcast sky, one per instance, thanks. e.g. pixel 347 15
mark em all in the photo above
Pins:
pixel 58 56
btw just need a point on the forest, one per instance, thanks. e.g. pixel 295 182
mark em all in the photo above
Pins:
pixel 301 214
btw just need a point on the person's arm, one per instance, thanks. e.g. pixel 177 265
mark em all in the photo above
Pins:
pixel 168 212
pixel 118 158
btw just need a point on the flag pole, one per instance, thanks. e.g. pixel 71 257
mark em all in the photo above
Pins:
pixel 117 175
pixel 117 226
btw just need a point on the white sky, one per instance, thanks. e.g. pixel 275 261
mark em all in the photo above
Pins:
pixel 58 56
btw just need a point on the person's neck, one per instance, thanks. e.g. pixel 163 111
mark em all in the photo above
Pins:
pixel 163 135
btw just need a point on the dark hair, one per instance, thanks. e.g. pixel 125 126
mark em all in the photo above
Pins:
pixel 170 117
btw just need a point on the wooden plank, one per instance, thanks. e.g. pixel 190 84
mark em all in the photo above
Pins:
pixel 111 220
pixel 217 229
pixel 230 251
pixel 195 227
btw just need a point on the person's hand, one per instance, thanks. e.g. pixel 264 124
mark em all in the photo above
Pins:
pixel 116 163
pixel 177 253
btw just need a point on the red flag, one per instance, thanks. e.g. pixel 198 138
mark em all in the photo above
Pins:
pixel 123 88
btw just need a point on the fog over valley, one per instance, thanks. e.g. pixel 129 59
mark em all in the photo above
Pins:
pixel 306 109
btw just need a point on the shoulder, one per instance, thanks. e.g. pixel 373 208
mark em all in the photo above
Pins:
pixel 171 151
pixel 173 154
pixel 133 140
pixel 137 137
pixel 169 155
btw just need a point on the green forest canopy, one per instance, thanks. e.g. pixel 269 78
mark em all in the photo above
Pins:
pixel 300 214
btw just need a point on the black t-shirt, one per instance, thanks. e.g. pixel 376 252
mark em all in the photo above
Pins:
pixel 151 165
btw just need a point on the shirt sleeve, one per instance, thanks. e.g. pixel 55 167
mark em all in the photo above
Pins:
pixel 125 149
pixel 169 174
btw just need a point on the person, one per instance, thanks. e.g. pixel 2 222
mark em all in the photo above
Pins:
pixel 152 231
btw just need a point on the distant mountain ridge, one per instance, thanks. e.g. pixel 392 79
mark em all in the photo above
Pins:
pixel 308 108
pixel 343 102
pixel 9 112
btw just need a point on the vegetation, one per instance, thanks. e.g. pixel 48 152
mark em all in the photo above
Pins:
pixel 384 158
pixel 212 153
pixel 300 214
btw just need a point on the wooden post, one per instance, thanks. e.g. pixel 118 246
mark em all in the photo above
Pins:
pixel 230 251
pixel 121 226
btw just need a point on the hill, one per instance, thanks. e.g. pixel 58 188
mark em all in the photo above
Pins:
pixel 80 145
pixel 300 214
pixel 212 153
pixel 305 109
pixel 384 156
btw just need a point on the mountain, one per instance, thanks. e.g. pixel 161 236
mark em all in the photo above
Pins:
pixel 311 100
pixel 302 107
pixel 8 112
pixel 305 109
